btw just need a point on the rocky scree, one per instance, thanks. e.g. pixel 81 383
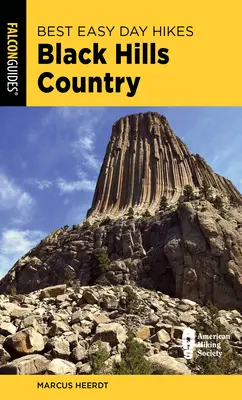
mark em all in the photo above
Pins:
pixel 59 330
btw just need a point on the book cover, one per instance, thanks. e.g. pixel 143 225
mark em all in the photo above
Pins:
pixel 120 199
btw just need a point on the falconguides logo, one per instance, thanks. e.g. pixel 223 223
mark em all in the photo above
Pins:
pixel 206 345
pixel 12 58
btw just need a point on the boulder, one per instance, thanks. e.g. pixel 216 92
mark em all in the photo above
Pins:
pixel 57 328
pixel 79 315
pixel 52 291
pixel 144 332
pixel 2 339
pixel 60 347
pixel 110 302
pixel 169 364
pixel 236 334
pixel 30 321
pixel 101 319
pixel 177 331
pixel 72 338
pixel 188 302
pixel 89 297
pixel 20 313
pixel 60 367
pixel 83 369
pixel 152 319
pixel 28 365
pixel 183 307
pixel 78 354
pixel 161 337
pixel 224 323
pixel 176 351
pixel 4 356
pixel 6 328
pixel 26 341
pixel 187 318
pixel 113 333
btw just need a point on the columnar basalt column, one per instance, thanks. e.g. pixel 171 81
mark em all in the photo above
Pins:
pixel 145 160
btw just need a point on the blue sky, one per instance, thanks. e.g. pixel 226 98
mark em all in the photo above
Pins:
pixel 50 160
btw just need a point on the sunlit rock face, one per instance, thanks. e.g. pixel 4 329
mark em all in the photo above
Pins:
pixel 144 161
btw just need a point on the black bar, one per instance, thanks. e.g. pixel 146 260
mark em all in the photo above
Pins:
pixel 13 53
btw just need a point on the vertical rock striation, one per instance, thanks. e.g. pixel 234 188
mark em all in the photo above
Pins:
pixel 144 161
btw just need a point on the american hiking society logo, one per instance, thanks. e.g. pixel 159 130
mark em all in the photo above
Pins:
pixel 188 342
pixel 207 345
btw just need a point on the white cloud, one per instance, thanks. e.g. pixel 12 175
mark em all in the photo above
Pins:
pixel 73 186
pixel 91 161
pixel 43 184
pixel 72 133
pixel 83 151
pixel 14 244
pixel 81 123
pixel 85 142
pixel 13 198
pixel 72 113
pixel 87 116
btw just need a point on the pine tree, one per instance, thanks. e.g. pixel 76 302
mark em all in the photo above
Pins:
pixel 163 204
pixel 218 203
pixel 131 212
pixel 188 192
pixel 133 360
pixel 205 190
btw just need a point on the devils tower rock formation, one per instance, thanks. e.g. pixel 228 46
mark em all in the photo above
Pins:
pixel 144 161
pixel 191 249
